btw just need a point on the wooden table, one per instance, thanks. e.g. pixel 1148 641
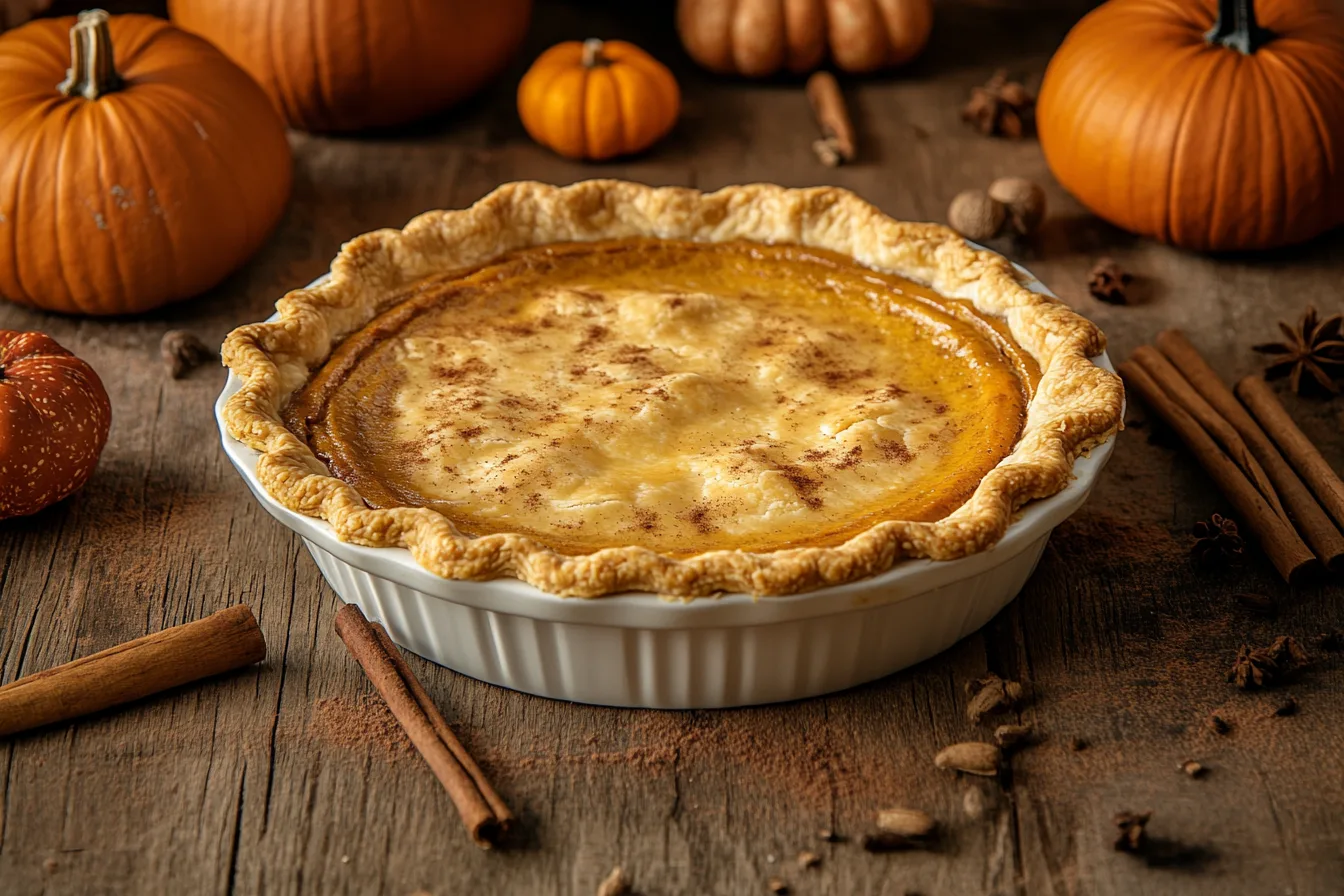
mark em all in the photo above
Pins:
pixel 251 784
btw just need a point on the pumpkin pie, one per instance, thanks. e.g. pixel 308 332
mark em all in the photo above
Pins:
pixel 610 387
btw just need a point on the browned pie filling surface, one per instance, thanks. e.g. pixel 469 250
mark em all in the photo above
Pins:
pixel 683 397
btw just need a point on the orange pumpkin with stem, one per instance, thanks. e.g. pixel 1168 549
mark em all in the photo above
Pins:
pixel 54 419
pixel 151 172
pixel 598 99
pixel 1210 124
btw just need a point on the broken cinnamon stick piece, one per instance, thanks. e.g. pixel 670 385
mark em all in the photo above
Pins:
pixel 223 641
pixel 1303 509
pixel 483 812
pixel 1278 539
pixel 1265 406
pixel 837 131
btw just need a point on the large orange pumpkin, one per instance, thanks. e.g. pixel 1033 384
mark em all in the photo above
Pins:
pixel 345 65
pixel 1210 127
pixel 140 179
pixel 761 37
pixel 54 418
pixel 598 99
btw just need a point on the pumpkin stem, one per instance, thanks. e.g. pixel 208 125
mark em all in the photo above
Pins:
pixel 1237 28
pixel 93 69
pixel 592 53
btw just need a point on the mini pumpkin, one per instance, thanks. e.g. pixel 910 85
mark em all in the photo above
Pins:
pixel 757 38
pixel 347 65
pixel 54 418
pixel 140 179
pixel 598 99
pixel 1213 127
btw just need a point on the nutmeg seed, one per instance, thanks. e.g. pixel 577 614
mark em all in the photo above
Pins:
pixel 973 758
pixel 975 215
pixel 1024 201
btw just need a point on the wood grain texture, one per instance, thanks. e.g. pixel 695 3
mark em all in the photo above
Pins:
pixel 245 784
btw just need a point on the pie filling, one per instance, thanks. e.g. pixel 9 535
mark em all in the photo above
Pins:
pixel 683 397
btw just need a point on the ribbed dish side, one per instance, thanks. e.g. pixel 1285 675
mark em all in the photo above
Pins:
pixel 682 668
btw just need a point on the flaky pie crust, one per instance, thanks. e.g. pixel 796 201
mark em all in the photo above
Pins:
pixel 1076 406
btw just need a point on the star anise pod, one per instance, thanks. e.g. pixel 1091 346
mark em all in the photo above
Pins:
pixel 1312 346
pixel 1258 667
pixel 1108 281
pixel 1001 107
pixel 1217 542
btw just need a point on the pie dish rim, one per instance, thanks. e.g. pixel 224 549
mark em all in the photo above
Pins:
pixel 1079 402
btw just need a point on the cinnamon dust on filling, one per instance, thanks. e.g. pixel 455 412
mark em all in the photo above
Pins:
pixel 686 397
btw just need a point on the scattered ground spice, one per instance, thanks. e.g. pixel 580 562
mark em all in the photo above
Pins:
pixel 1130 833
pixel 1078 744
pixel 699 517
pixel 804 484
pixel 895 451
pixel 1219 725
pixel 1258 667
pixel 1286 707
pixel 359 723
pixel 1113 538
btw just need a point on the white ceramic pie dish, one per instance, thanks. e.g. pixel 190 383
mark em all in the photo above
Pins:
pixel 641 650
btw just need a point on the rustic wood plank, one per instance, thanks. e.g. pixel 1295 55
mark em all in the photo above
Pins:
pixel 258 782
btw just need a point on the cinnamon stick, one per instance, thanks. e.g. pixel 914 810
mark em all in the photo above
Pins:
pixel 1180 391
pixel 1303 509
pixel 1265 406
pixel 227 640
pixel 837 131
pixel 483 812
pixel 1278 539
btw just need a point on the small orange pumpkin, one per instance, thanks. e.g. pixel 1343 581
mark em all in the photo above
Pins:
pixel 757 38
pixel 598 99
pixel 1199 122
pixel 135 182
pixel 54 418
